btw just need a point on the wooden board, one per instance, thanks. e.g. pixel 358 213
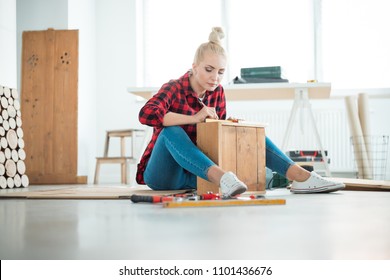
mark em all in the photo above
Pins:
pixel 49 104
pixel 272 91
pixel 219 203
pixel 245 145
pixel 256 91
pixel 208 139
pixel 228 159
pixel 352 184
pixel 261 151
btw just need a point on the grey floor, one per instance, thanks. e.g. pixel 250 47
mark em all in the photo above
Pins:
pixel 344 225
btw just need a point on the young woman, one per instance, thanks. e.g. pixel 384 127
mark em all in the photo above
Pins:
pixel 172 160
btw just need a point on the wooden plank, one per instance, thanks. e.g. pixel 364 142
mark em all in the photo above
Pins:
pixel 46 100
pixel 229 149
pixel 65 102
pixel 260 91
pixel 353 184
pixel 219 203
pixel 32 88
pixel 261 159
pixel 247 156
pixel 208 141
pixel 237 123
pixel 273 91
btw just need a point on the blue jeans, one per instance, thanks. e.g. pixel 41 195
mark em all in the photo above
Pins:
pixel 176 161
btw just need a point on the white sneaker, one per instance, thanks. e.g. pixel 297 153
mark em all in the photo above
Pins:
pixel 316 184
pixel 231 185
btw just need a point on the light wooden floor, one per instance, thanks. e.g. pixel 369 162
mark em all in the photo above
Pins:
pixel 343 225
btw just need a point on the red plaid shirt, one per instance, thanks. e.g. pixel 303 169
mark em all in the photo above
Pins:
pixel 175 96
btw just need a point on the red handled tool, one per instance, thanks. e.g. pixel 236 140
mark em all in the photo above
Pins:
pixel 180 197
pixel 150 199
pixel 209 196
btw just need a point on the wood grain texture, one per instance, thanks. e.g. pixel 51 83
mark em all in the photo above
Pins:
pixel 261 159
pixel 49 104
pixel 208 139
pixel 229 149
pixel 220 203
pixel 247 166
pixel 235 147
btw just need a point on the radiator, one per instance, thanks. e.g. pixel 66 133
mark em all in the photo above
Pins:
pixel 332 126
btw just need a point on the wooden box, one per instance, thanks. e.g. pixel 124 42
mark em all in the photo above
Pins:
pixel 236 147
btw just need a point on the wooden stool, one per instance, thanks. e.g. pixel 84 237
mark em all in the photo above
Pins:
pixel 123 160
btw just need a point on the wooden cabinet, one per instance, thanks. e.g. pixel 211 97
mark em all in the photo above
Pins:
pixel 49 104
pixel 236 147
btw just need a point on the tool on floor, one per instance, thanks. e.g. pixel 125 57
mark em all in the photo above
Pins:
pixel 150 199
pixel 205 200
pixel 178 197
pixel 223 202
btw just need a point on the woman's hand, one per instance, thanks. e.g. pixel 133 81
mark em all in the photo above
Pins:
pixel 172 118
pixel 206 112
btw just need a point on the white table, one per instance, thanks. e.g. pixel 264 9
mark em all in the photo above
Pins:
pixel 301 93
pixel 259 91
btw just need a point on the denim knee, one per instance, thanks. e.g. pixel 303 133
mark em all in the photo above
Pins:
pixel 172 131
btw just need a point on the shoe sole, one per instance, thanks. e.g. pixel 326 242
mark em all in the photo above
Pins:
pixel 237 192
pixel 327 189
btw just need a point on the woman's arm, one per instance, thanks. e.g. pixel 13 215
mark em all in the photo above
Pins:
pixel 171 118
pixel 166 109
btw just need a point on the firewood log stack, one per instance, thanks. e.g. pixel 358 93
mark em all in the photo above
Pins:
pixel 12 154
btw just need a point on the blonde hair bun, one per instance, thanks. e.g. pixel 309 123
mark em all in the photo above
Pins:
pixel 213 45
pixel 216 35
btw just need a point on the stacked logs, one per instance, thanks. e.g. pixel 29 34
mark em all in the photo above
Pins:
pixel 12 154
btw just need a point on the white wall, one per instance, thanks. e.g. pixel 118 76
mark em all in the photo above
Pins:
pixel 116 70
pixel 8 43
pixel 107 63
pixel 82 16
pixel 70 14
pixel 39 15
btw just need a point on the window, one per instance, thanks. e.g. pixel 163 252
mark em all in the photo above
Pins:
pixel 173 29
pixel 344 42
pixel 355 43
pixel 269 33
